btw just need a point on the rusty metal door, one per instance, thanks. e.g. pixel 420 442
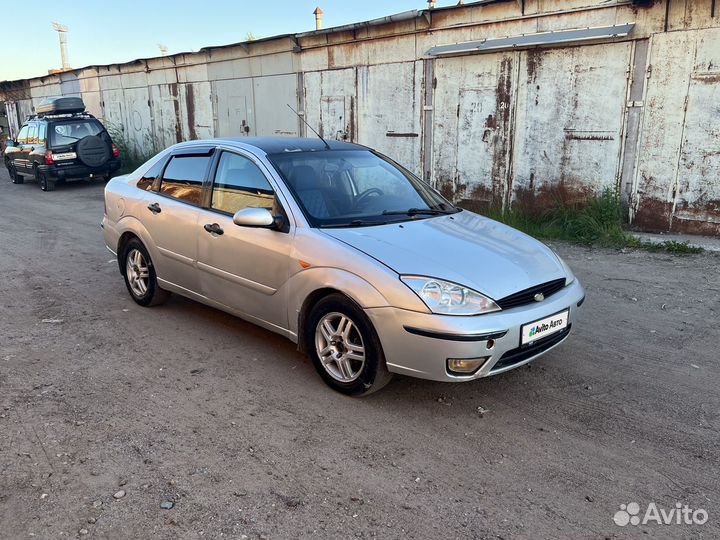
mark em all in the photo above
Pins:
pixel 273 94
pixel 569 122
pixel 137 118
pixel 332 118
pixel 676 186
pixel 196 110
pixel 696 207
pixel 389 98
pixel 329 99
pixel 12 116
pixel 165 112
pixel 235 109
pixel 475 145
pixel 112 101
pixel 473 106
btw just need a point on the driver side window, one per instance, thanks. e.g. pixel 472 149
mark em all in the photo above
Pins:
pixel 239 183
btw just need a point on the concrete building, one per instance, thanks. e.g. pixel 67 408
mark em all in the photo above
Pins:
pixel 495 102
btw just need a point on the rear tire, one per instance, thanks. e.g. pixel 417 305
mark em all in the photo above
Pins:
pixel 140 278
pixel 46 184
pixel 345 348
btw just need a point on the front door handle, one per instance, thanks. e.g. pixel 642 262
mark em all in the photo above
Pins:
pixel 213 228
pixel 154 208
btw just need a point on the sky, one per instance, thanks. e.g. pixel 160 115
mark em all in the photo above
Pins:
pixel 105 32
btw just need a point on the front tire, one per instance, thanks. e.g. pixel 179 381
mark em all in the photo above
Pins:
pixel 345 348
pixel 14 176
pixel 140 277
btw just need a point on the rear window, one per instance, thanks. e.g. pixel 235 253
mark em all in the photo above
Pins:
pixel 183 178
pixel 70 131
pixel 147 182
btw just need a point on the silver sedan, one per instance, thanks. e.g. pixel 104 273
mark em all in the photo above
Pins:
pixel 366 267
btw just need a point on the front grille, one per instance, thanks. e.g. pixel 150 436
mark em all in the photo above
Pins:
pixel 528 295
pixel 519 355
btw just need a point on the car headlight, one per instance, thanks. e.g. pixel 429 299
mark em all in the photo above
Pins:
pixel 570 277
pixel 447 298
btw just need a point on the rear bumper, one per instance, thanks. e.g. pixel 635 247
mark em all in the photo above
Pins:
pixel 419 344
pixel 79 171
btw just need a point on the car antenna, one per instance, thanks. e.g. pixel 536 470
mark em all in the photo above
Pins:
pixel 308 125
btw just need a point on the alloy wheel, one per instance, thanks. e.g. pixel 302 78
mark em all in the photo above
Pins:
pixel 340 347
pixel 138 273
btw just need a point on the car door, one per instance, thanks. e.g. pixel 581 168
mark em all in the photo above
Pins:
pixel 29 147
pixel 244 267
pixel 170 214
pixel 16 153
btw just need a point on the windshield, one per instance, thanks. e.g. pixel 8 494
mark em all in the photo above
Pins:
pixel 70 131
pixel 351 188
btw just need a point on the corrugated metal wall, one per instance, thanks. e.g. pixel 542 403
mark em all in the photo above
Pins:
pixel 519 127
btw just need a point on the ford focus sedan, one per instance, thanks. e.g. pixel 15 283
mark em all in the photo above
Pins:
pixel 341 250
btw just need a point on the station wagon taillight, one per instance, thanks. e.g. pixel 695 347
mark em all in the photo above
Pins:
pixel 116 151
pixel 49 158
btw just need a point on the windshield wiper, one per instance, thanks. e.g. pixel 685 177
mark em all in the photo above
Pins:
pixel 417 211
pixel 353 223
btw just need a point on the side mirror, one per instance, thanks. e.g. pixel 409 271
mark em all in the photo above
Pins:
pixel 10 143
pixel 255 217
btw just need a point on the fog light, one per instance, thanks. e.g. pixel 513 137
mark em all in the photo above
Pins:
pixel 465 366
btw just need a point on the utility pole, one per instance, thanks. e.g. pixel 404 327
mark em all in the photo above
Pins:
pixel 62 31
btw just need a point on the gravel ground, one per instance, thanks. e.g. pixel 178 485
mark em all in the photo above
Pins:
pixel 111 413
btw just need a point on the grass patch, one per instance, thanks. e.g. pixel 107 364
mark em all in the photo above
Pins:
pixel 594 221
pixel 670 246
pixel 132 154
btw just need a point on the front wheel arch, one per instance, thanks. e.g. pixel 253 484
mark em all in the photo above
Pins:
pixel 312 299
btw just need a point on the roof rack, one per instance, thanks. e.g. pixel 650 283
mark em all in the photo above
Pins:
pixel 54 116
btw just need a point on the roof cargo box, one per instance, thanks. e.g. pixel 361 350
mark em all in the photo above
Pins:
pixel 60 105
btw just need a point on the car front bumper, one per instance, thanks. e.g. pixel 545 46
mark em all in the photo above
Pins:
pixel 419 344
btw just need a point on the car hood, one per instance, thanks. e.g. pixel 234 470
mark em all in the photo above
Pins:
pixel 464 248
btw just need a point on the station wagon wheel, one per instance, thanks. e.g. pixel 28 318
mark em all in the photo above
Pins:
pixel 12 171
pixel 140 277
pixel 42 179
pixel 344 346
pixel 340 347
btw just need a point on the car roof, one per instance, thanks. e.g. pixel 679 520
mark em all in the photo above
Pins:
pixel 279 145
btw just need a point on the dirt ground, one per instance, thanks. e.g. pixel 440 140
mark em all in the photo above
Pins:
pixel 186 405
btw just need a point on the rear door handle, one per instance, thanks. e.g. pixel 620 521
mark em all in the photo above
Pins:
pixel 213 228
pixel 154 208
